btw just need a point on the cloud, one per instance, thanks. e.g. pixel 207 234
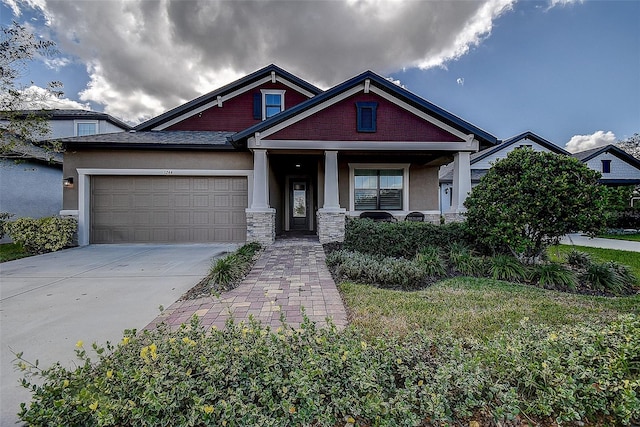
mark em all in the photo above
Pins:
pixel 36 97
pixel 145 57
pixel 579 143
pixel 460 81
pixel 56 63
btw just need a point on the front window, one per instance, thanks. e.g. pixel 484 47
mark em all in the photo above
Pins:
pixel 378 189
pixel 86 128
pixel 272 103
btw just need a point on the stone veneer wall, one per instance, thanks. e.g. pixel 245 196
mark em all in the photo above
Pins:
pixel 453 217
pixel 331 225
pixel 261 226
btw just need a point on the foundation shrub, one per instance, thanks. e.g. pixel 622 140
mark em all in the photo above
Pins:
pixel 251 375
pixel 227 271
pixel 400 239
pixel 505 267
pixel 554 276
pixel 41 235
pixel 431 260
pixel 4 217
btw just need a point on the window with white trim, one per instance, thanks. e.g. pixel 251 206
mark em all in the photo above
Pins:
pixel 86 128
pixel 272 102
pixel 378 189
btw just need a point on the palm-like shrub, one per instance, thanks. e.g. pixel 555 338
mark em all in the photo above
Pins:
pixel 505 267
pixel 579 259
pixel 555 276
pixel 603 277
pixel 430 259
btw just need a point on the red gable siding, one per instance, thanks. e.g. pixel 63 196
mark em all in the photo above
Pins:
pixel 338 123
pixel 236 114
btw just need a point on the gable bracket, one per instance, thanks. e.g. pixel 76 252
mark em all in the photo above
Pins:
pixel 367 84
pixel 219 101
pixel 273 77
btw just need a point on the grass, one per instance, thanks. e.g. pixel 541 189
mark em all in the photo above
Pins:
pixel 474 308
pixel 11 251
pixel 630 237
pixel 632 259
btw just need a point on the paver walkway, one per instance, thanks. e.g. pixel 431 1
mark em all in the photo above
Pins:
pixel 289 275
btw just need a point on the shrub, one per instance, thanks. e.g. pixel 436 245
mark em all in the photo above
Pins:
pixel 42 235
pixel 520 206
pixel 505 267
pixel 603 277
pixel 399 239
pixel 4 216
pixel 226 272
pixel 377 270
pixel 624 273
pixel 430 259
pixel 251 375
pixel 579 259
pixel 555 276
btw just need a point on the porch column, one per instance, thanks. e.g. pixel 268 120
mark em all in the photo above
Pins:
pixel 260 180
pixel 331 198
pixel 331 217
pixel 261 219
pixel 461 180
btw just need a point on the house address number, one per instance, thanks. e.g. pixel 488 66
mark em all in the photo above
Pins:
pixel 167 172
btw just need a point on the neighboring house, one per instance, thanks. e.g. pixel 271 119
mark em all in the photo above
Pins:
pixel 31 177
pixel 482 161
pixel 616 165
pixel 266 155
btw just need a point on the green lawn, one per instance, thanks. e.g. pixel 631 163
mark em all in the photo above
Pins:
pixel 632 259
pixel 631 237
pixel 475 308
pixel 11 251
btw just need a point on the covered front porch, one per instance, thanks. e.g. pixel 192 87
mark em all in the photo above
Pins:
pixel 313 191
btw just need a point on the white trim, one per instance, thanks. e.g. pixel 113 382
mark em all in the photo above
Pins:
pixel 367 85
pixel 80 121
pixel 405 183
pixel 293 144
pixel 294 86
pixel 68 212
pixel 84 188
pixel 397 214
pixel 266 92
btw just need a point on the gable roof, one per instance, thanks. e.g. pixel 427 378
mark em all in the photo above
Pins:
pixel 177 139
pixel 20 149
pixel 383 84
pixel 585 156
pixel 225 90
pixel 68 114
pixel 476 157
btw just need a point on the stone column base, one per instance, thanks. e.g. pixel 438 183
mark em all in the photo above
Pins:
pixel 261 226
pixel 331 223
pixel 454 217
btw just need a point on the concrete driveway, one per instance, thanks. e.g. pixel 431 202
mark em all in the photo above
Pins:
pixel 49 302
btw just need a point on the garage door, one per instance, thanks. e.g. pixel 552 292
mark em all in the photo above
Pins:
pixel 168 209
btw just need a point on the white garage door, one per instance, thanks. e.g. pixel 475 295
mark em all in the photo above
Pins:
pixel 168 209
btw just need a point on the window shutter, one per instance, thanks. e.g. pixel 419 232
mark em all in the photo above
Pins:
pixel 257 106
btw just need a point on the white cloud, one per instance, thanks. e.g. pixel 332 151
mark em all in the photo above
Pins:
pixel 56 63
pixel 460 81
pixel 579 143
pixel 145 57
pixel 36 97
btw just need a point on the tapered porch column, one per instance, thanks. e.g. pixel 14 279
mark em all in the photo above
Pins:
pixel 461 180
pixel 261 218
pixel 331 217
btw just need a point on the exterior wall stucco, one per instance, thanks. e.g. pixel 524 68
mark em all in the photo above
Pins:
pixel 30 189
pixel 236 114
pixel 138 159
pixel 339 123
pixel 423 188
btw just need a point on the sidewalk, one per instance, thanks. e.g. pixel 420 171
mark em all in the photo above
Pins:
pixel 290 275
pixel 580 240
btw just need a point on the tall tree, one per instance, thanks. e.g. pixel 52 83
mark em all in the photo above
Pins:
pixel 18 47
pixel 631 145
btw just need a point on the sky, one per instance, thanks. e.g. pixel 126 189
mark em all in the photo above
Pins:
pixel 567 70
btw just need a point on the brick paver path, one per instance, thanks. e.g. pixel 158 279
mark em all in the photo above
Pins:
pixel 290 274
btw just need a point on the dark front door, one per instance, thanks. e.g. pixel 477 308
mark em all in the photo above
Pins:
pixel 299 206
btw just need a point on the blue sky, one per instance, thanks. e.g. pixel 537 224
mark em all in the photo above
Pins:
pixel 566 70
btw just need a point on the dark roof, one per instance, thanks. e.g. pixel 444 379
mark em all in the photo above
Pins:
pixel 476 157
pixel 60 114
pixel 383 84
pixel 183 139
pixel 585 156
pixel 18 148
pixel 211 96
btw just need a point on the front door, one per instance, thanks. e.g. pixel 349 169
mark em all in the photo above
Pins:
pixel 299 206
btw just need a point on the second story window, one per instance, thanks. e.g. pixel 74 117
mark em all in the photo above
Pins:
pixel 606 166
pixel 86 128
pixel 272 102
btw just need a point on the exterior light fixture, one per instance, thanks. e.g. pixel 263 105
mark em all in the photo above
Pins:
pixel 67 182
pixel 298 166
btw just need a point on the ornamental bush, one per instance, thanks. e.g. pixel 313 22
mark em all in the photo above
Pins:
pixel 529 200
pixel 41 235
pixel 251 375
